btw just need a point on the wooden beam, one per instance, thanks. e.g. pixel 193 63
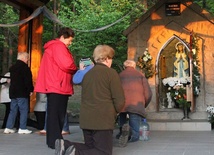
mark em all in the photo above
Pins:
pixel 30 40
pixel 36 52
pixel 23 32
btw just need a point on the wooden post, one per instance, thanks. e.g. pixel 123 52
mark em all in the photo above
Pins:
pixel 36 52
pixel 23 32
pixel 30 40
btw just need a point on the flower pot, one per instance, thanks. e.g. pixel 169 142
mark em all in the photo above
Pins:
pixel 186 111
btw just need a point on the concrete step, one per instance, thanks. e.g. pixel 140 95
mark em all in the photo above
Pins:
pixel 179 125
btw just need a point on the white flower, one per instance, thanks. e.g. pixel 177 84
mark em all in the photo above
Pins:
pixel 197 77
pixel 196 90
pixel 184 80
pixel 171 83
pixel 145 59
pixel 194 51
pixel 210 109
pixel 164 81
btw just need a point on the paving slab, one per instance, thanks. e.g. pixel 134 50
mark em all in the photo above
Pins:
pixel 160 143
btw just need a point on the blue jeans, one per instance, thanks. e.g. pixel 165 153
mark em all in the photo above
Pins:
pixel 134 123
pixel 22 105
pixel 65 126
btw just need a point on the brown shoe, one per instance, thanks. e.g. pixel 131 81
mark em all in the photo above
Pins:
pixel 42 132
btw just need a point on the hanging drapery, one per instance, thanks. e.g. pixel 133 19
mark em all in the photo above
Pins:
pixel 39 10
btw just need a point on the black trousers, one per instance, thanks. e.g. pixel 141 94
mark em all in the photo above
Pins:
pixel 40 117
pixel 56 110
pixel 97 142
pixel 7 111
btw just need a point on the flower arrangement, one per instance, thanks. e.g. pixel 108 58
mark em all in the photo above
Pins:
pixel 145 64
pixel 172 81
pixel 177 90
pixel 210 110
pixel 179 95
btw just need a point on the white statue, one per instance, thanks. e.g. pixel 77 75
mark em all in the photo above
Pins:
pixel 169 99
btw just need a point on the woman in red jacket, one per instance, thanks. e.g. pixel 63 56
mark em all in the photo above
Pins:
pixel 55 79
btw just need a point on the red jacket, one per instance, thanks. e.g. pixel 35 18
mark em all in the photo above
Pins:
pixel 137 91
pixel 56 69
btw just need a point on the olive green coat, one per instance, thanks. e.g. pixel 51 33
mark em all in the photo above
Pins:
pixel 102 98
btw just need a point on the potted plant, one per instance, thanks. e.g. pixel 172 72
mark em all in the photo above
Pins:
pixel 180 97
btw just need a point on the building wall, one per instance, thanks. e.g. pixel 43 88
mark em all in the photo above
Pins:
pixel 154 31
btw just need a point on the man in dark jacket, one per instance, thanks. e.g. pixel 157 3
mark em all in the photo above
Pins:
pixel 21 87
pixel 102 100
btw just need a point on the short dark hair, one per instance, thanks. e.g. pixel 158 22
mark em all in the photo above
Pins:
pixel 66 32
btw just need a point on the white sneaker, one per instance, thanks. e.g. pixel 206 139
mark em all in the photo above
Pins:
pixel 7 131
pixel 70 151
pixel 24 131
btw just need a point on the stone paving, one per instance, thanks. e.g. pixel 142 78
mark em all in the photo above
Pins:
pixel 160 143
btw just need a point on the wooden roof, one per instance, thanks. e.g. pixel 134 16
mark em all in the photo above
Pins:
pixel 25 4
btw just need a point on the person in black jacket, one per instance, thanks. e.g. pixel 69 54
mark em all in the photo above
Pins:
pixel 21 87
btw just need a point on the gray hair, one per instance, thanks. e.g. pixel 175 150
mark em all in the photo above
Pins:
pixel 23 56
pixel 102 52
pixel 129 63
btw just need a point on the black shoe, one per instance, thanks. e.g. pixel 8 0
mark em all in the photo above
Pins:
pixel 51 147
pixel 119 134
pixel 70 150
pixel 59 147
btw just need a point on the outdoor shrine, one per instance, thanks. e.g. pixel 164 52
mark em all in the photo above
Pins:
pixel 174 42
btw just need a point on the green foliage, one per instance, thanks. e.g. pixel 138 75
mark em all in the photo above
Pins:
pixel 208 4
pixel 8 35
pixel 196 65
pixel 8 16
pixel 83 16
pixel 179 96
pixel 48 31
